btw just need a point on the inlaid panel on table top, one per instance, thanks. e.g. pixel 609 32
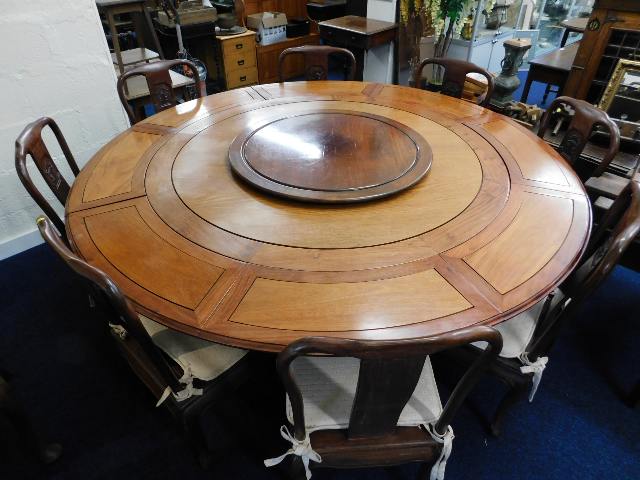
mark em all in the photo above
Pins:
pixel 497 222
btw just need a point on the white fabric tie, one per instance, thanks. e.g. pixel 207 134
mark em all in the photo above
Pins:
pixel 119 330
pixel 437 471
pixel 302 448
pixel 536 368
pixel 187 392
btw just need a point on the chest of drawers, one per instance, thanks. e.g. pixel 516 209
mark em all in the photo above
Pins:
pixel 238 58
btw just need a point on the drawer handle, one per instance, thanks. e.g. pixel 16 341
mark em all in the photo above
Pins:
pixel 243 78
pixel 240 62
pixel 238 46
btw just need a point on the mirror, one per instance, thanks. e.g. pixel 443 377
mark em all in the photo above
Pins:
pixel 621 99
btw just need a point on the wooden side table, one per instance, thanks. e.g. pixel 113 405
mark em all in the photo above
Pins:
pixel 123 58
pixel 238 59
pixel 357 34
pixel 572 25
pixel 552 68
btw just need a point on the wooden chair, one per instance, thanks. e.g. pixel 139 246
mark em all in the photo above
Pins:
pixel 160 86
pixel 582 124
pixel 528 337
pixel 30 143
pixel 455 74
pixel 185 373
pixel 372 403
pixel 316 61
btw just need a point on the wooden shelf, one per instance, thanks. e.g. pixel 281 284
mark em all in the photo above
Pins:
pixel 135 55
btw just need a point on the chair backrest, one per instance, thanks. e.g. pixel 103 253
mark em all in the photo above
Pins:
pixel 316 61
pixel 159 83
pixel 586 118
pixel 240 12
pixel 454 76
pixel 121 311
pixel 617 230
pixel 30 142
pixel 389 373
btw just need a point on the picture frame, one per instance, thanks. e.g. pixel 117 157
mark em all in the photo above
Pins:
pixel 621 98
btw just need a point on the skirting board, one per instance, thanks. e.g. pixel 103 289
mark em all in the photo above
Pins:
pixel 20 243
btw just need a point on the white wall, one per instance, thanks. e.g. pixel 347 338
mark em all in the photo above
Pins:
pixel 54 61
pixel 379 61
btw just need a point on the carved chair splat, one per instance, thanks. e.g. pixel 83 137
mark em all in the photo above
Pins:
pixel 30 143
pixel 316 61
pixel 582 124
pixel 455 74
pixel 160 86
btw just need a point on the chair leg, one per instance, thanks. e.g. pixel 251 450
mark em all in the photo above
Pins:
pixel 424 472
pixel 634 396
pixel 25 435
pixel 513 396
pixel 296 469
pixel 196 438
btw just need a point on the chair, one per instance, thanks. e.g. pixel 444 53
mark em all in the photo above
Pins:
pixel 185 373
pixel 582 124
pixel 528 337
pixel 159 83
pixel 455 73
pixel 30 143
pixel 316 61
pixel 372 403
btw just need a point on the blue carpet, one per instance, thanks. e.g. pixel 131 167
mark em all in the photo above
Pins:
pixel 77 391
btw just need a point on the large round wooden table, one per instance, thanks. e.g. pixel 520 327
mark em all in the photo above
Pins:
pixel 495 222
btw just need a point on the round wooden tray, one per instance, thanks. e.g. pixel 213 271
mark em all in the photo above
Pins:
pixel 330 156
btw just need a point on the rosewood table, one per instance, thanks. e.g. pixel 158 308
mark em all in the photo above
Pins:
pixel 363 211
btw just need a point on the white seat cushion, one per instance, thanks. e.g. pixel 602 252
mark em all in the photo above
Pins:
pixel 328 386
pixel 205 360
pixel 518 331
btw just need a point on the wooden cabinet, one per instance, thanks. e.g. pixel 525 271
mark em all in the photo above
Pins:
pixel 613 32
pixel 239 63
pixel 268 56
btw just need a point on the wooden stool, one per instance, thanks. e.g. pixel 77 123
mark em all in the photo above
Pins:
pixel 122 58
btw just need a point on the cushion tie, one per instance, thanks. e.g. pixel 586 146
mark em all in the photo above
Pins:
pixel 437 471
pixel 536 368
pixel 302 448
pixel 118 330
pixel 187 392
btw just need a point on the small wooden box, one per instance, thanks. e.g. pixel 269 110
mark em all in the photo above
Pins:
pixel 238 53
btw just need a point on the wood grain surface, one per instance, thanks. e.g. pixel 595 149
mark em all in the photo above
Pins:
pixel 497 223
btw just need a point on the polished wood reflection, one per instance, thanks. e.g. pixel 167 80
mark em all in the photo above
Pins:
pixel 331 156
pixel 499 220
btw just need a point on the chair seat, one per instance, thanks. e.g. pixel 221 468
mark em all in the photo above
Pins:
pixel 204 359
pixel 328 386
pixel 518 331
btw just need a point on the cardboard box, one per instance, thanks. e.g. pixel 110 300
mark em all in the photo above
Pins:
pixel 256 21
pixel 271 26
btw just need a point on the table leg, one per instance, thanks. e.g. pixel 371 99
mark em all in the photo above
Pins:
pixel 359 54
pixel 565 37
pixel 527 87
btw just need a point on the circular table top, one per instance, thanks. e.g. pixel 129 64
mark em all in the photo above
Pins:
pixel 497 223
